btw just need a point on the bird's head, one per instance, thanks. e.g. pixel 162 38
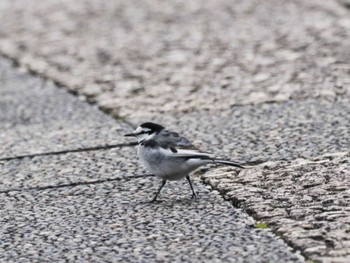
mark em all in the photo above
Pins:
pixel 146 131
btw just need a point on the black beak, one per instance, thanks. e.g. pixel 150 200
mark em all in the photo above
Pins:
pixel 130 135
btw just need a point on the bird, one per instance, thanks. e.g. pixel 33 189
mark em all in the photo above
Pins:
pixel 170 156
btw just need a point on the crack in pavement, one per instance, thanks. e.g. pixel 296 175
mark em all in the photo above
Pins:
pixel 86 149
pixel 42 188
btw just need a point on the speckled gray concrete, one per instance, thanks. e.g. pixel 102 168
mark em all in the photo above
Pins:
pixel 183 55
pixel 37 117
pixel 159 60
pixel 305 201
pixel 112 222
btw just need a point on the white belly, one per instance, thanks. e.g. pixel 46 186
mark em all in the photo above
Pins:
pixel 169 168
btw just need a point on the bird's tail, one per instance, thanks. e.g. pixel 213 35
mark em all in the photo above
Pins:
pixel 228 163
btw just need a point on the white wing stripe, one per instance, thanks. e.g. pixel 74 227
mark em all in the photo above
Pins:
pixel 184 153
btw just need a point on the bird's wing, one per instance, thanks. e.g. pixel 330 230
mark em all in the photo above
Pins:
pixel 173 138
pixel 179 146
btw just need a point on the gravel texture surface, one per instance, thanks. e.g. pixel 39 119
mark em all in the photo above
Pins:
pixel 178 56
pixel 113 222
pixel 256 81
pixel 37 117
pixel 307 202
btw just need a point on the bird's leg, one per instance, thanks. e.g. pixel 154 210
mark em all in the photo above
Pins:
pixel 189 181
pixel 160 189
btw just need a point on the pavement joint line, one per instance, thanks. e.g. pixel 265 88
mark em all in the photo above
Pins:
pixel 237 204
pixel 294 248
pixel 16 63
pixel 42 188
pixel 86 149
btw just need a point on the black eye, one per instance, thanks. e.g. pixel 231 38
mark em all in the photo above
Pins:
pixel 145 132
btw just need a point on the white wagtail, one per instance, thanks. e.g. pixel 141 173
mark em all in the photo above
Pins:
pixel 170 156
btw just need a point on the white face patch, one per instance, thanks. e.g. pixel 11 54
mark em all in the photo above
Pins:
pixel 138 130
pixel 142 133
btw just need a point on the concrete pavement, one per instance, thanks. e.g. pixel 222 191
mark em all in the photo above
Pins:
pixel 89 201
pixel 266 83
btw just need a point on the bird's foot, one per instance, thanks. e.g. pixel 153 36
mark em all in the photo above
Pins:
pixel 155 200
